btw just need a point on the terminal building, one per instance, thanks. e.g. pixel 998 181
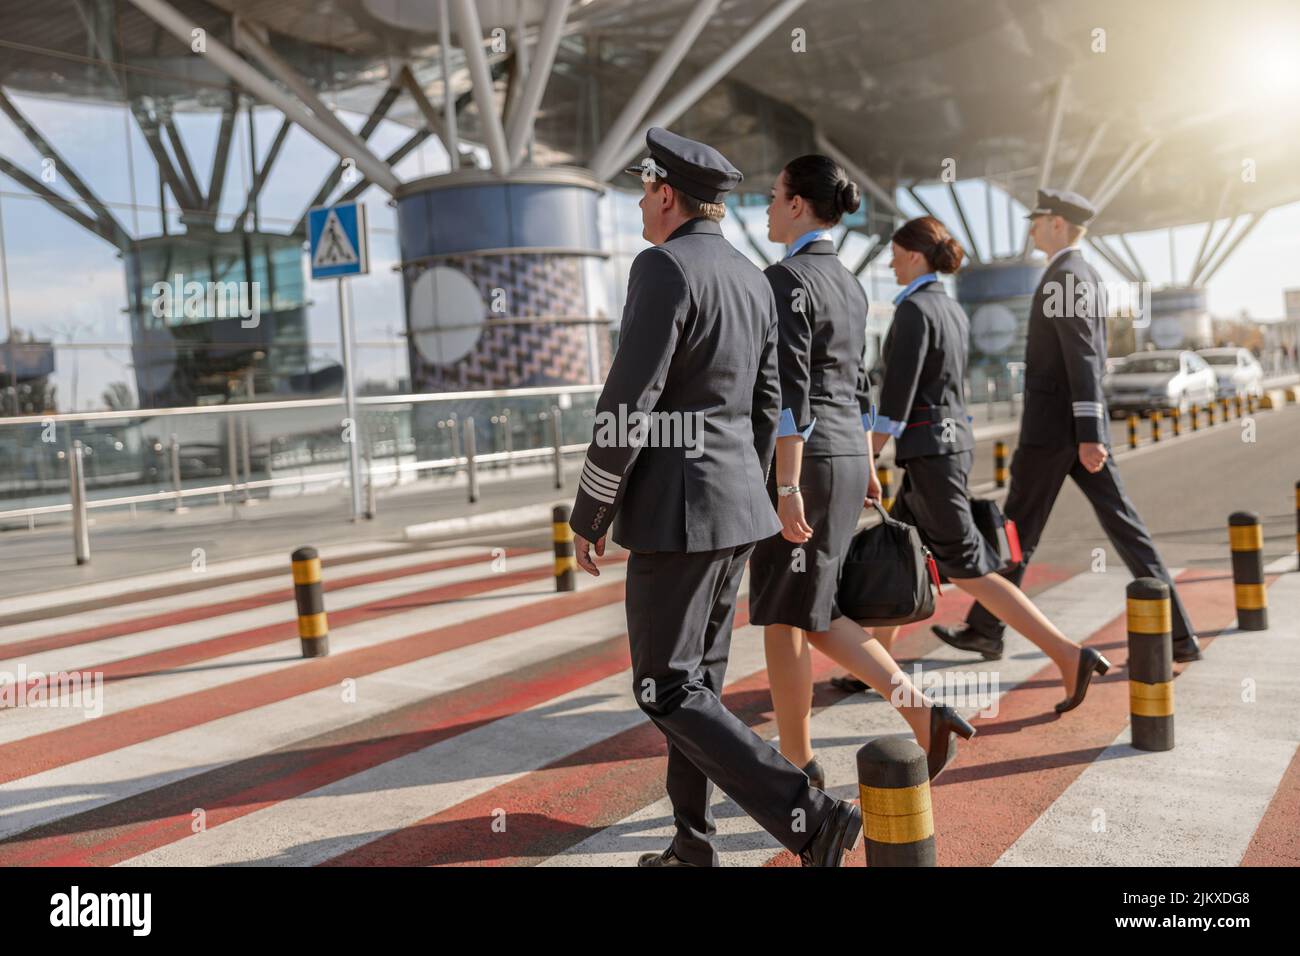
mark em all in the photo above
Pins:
pixel 147 144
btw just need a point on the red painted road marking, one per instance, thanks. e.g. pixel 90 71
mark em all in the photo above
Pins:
pixel 113 731
pixel 119 831
pixel 50 642
pixel 1277 838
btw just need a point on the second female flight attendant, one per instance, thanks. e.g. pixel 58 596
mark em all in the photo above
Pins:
pixel 823 474
pixel 922 408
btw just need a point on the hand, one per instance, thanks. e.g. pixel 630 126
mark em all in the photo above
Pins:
pixel 793 527
pixel 582 550
pixel 873 488
pixel 1092 455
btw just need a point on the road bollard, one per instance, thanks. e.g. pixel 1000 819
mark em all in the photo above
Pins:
pixel 1000 463
pixel 1225 408
pixel 1132 431
pixel 1252 404
pixel 313 628
pixel 894 786
pixel 886 478
pixel 557 438
pixel 566 565
pixel 77 494
pixel 1150 665
pixel 1196 418
pixel 1177 416
pixel 1246 538
pixel 470 445
pixel 1209 412
pixel 1237 402
pixel 1297 524
pixel 1155 426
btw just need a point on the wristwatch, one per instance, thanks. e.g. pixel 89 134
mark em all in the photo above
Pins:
pixel 785 490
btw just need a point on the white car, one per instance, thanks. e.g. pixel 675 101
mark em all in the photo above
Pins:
pixel 1238 371
pixel 1150 381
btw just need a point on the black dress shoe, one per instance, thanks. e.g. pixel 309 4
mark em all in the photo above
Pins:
pixel 666 858
pixel 944 723
pixel 838 835
pixel 1187 649
pixel 1090 662
pixel 849 684
pixel 816 775
pixel 965 638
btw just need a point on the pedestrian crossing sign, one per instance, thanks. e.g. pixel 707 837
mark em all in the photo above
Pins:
pixel 338 238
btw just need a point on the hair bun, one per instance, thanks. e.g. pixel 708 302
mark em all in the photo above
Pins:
pixel 948 255
pixel 848 196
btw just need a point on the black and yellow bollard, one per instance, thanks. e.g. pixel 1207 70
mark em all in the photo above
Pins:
pixel 1239 403
pixel 894 785
pixel 1246 538
pixel 1155 426
pixel 1150 665
pixel 313 629
pixel 1132 431
pixel 1225 407
pixel 566 565
pixel 1195 418
pixel 1209 412
pixel 1252 403
pixel 1000 464
pixel 886 478
pixel 1177 416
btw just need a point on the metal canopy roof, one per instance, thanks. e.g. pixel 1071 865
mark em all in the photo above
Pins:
pixel 900 86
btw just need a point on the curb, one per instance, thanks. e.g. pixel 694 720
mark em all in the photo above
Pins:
pixel 512 519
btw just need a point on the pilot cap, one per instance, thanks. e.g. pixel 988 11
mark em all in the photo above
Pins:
pixel 1061 202
pixel 694 168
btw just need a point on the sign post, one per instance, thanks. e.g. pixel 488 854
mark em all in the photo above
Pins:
pixel 340 248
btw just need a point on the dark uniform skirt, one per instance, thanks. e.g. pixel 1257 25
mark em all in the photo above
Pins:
pixel 933 497
pixel 799 590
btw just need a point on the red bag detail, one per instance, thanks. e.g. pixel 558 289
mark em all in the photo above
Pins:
pixel 1013 541
pixel 934 570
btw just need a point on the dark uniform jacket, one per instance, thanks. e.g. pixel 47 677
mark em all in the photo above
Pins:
pixel 822 314
pixel 1065 356
pixel 699 338
pixel 924 354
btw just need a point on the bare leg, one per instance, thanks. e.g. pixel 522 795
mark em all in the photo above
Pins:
pixel 885 635
pixel 789 670
pixel 1013 606
pixel 862 655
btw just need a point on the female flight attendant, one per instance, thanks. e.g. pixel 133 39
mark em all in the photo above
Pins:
pixel 824 473
pixel 921 407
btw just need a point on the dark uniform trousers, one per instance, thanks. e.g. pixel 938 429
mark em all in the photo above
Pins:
pixel 699 336
pixel 680 608
pixel 1037 473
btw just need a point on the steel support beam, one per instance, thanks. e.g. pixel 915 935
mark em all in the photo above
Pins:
pixel 1232 247
pixel 1049 145
pixel 603 161
pixel 1085 157
pixel 706 79
pixel 221 157
pixel 470 32
pixel 965 223
pixel 1104 200
pixel 1230 224
pixel 1116 263
pixel 520 126
pixel 259 178
pixel 324 127
pixel 62 204
pixel 1137 263
pixel 452 138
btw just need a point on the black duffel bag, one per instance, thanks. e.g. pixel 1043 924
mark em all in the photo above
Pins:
pixel 998 530
pixel 888 576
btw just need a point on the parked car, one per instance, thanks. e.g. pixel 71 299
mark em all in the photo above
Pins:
pixel 1238 371
pixel 1150 381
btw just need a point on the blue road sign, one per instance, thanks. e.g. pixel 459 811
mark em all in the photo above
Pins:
pixel 339 240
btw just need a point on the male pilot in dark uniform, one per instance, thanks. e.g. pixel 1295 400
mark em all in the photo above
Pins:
pixel 698 342
pixel 1064 429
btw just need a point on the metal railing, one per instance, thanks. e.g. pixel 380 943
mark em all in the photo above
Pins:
pixel 170 456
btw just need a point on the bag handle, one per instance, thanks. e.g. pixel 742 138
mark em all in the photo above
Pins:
pixel 884 515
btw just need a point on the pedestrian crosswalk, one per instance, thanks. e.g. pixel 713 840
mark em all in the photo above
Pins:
pixel 468 714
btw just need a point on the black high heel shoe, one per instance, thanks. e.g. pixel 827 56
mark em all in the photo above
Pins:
pixel 944 722
pixel 816 775
pixel 1090 662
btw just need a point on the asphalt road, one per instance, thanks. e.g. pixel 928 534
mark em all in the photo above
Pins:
pixel 1185 489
